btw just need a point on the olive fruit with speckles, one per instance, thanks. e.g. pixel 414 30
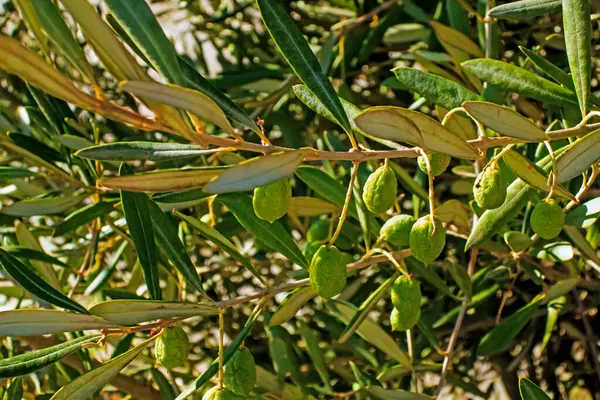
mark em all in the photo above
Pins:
pixel 379 193
pixel 547 219
pixel 327 272
pixel 272 201
pixel 427 243
pixel 171 349
pixel 438 161
pixel 490 189
pixel 396 230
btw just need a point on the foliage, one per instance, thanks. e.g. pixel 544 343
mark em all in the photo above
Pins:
pixel 221 197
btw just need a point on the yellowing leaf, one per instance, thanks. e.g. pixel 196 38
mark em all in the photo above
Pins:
pixel 18 60
pixel 256 172
pixel 52 205
pixel 451 37
pixel 455 212
pixel 302 206
pixel 181 98
pixel 162 181
pixel 400 124
pixel 458 123
pixel 533 175
pixel 504 120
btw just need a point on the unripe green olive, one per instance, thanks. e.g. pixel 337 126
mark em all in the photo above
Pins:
pixel 327 272
pixel 490 189
pixel 396 230
pixel 171 349
pixel 272 201
pixel 438 161
pixel 379 193
pixel 547 219
pixel 427 245
pixel 402 321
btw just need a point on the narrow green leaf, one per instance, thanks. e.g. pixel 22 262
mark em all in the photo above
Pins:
pixel 427 274
pixel 554 309
pixel 30 321
pixel 450 37
pixel 496 340
pixel 102 277
pixel 477 299
pixel 164 386
pixel 256 172
pixel 515 79
pixel 8 173
pixel 297 52
pixel 314 351
pixel 400 124
pixel 32 22
pixel 151 151
pixel 15 390
pixel 163 180
pixel 533 175
pixel 181 98
pixel 370 331
pixel 561 288
pixel 517 241
pixel 46 206
pixel 550 69
pixel 215 236
pixel 290 306
pixel 525 9
pixel 491 221
pixel 34 255
pixel 578 157
pixel 168 241
pixel 83 216
pixel 314 103
pixel 89 383
pixel 461 277
pixel 32 282
pixel 33 360
pixel 582 244
pixel 137 214
pixel 584 215
pixel 438 90
pixel 212 370
pixel 136 17
pixel 578 40
pixel 365 308
pixel 130 312
pixel 531 391
pixel 274 235
pixel 28 240
pixel 504 120
pixel 58 32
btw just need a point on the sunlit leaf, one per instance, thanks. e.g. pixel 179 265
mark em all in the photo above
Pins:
pixel 30 321
pixel 130 312
pixel 151 151
pixel 163 180
pixel 291 304
pixel 504 120
pixel 525 8
pixel 578 157
pixel 584 215
pixel 256 172
pixel 303 206
pixel 45 206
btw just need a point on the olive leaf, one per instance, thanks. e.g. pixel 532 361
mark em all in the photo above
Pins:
pixel 256 172
pixel 584 215
pixel 290 306
pixel 578 40
pixel 525 9
pixel 130 312
pixel 87 384
pixel 298 54
pixel 530 391
pixel 438 90
pixel 515 79
pixel 44 206
pixel 533 175
pixel 83 216
pixel 304 206
pixel 32 282
pixel 38 359
pixel 151 151
pixel 163 180
pixel 399 124
pixel 31 321
pixel 504 120
pixel 578 157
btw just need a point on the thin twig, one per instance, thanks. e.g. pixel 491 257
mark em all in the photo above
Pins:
pixel 346 204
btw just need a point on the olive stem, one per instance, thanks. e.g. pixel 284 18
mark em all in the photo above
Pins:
pixel 431 193
pixel 346 204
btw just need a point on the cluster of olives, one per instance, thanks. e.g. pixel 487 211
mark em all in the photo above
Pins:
pixel 171 351
pixel 547 218
pixel 406 298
